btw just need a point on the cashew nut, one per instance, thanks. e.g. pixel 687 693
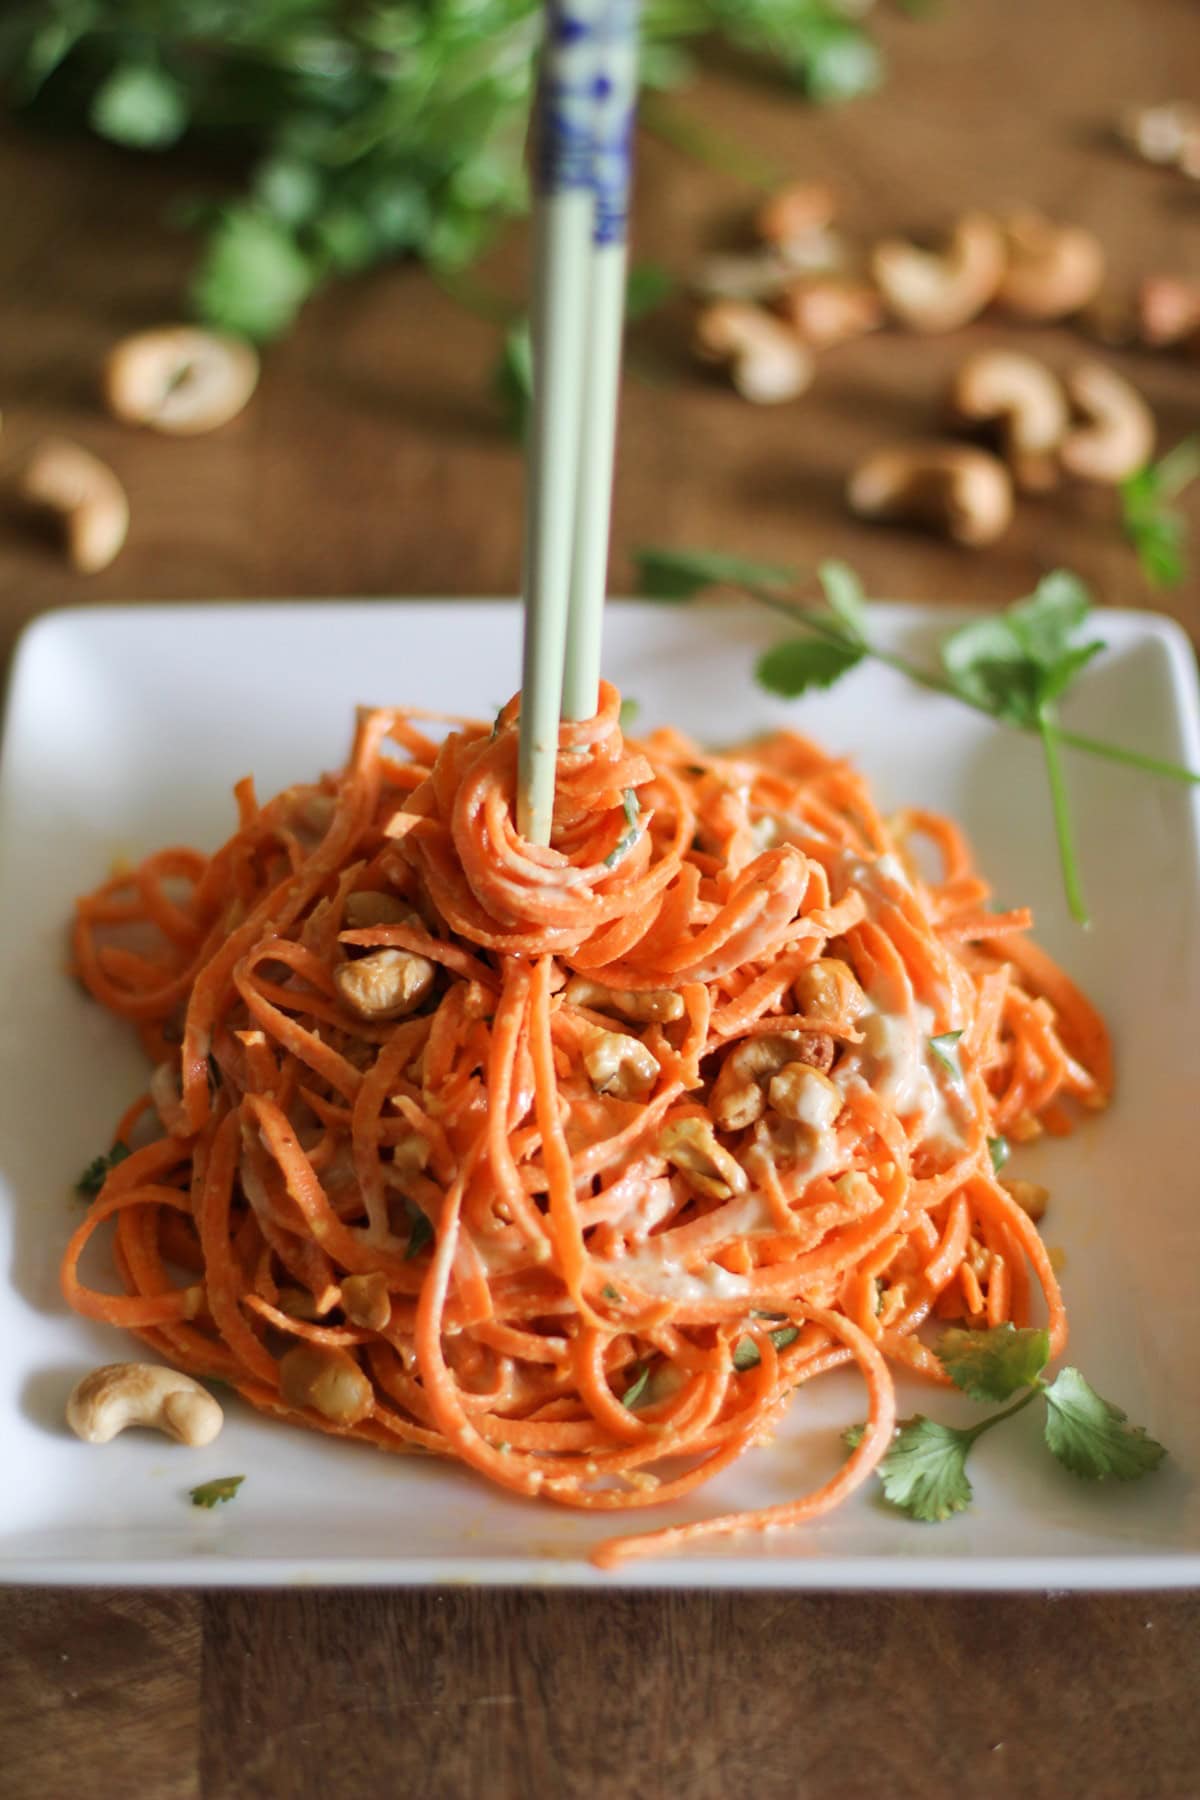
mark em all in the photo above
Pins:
pixel 1168 310
pixel 179 379
pixel 955 489
pixel 1117 437
pixel 767 362
pixel 65 479
pixel 366 1301
pixel 931 292
pixel 742 277
pixel 1030 1196
pixel 121 1394
pixel 826 992
pixel 386 984
pixel 648 1007
pixel 1168 134
pixel 326 1379
pixel 738 1095
pixel 795 211
pixel 368 907
pixel 690 1145
pixel 619 1065
pixel 1052 271
pixel 1027 401
pixel 805 1096
pixel 830 309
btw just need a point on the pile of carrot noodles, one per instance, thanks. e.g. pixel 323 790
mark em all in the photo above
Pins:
pixel 574 1163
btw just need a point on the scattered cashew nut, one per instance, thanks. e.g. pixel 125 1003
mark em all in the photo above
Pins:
pixel 645 1006
pixel 738 1094
pixel 108 1400
pixel 956 489
pixel 1117 437
pixel 690 1145
pixel 368 906
pixel 366 1300
pixel 1031 1197
pixel 619 1065
pixel 805 1096
pixel 66 479
pixel 1027 401
pixel 767 362
pixel 1052 270
pixel 1168 311
pixel 830 309
pixel 827 993
pixel 1168 134
pixel 179 379
pixel 795 211
pixel 386 984
pixel 933 292
pixel 326 1379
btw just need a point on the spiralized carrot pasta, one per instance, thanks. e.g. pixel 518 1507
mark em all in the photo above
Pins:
pixel 573 1163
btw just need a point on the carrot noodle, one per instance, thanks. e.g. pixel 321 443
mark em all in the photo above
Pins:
pixel 642 1131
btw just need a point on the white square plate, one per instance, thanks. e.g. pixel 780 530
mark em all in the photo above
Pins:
pixel 126 730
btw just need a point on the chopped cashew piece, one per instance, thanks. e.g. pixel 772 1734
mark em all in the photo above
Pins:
pixel 65 479
pixel 960 491
pixel 326 1379
pixel 368 907
pixel 767 362
pixel 805 1096
pixel 386 984
pixel 930 292
pixel 827 993
pixel 738 1096
pixel 1117 437
pixel 122 1394
pixel 648 1006
pixel 690 1145
pixel 1030 1196
pixel 796 211
pixel 1028 402
pixel 179 379
pixel 1053 270
pixel 619 1065
pixel 1168 311
pixel 366 1301
pixel 830 309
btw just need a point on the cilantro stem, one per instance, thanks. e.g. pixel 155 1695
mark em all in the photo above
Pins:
pixel 938 684
pixel 1007 1412
pixel 1063 829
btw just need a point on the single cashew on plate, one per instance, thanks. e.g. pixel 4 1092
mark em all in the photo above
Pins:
pixel 955 489
pixel 85 496
pixel 1026 400
pixel 123 1394
pixel 1052 270
pixel 935 291
pixel 179 379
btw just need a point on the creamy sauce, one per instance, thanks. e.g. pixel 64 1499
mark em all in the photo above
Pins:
pixel 669 1280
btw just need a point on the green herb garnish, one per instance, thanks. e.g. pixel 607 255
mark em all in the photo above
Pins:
pixel 215 1493
pixel 747 1355
pixel 628 838
pixel 999 1151
pixel 96 1173
pixel 945 1048
pixel 421 1232
pixel 1155 528
pixel 637 1387
pixel 1013 666
pixel 924 1473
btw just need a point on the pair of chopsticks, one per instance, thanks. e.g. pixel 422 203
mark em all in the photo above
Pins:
pixel 583 142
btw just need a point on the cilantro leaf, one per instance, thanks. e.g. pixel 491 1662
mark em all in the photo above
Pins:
pixel 847 598
pixel 254 277
pixel 609 1292
pixel 628 838
pixel 141 107
pixel 96 1173
pixel 629 711
pixel 212 1493
pixel 945 1048
pixel 996 1364
pixel 422 1229
pixel 680 574
pixel 513 379
pixel 1157 532
pixel 747 1355
pixel 1015 663
pixel 798 664
pixel 647 287
pixel 1092 1437
pixel 924 1473
pixel 853 1436
pixel 637 1387
pixel 999 1150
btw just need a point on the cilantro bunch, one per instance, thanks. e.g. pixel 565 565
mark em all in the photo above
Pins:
pixel 371 129
pixel 924 1473
pixel 1013 666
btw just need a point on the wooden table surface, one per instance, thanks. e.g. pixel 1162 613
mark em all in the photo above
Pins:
pixel 372 462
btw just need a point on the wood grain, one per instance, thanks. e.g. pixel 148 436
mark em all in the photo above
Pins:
pixel 373 461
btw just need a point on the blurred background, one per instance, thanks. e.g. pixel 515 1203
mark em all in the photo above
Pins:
pixel 342 186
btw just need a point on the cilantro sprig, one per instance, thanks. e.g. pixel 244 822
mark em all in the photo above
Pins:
pixel 1012 666
pixel 215 1493
pixel 1155 528
pixel 924 1473
pixel 97 1171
